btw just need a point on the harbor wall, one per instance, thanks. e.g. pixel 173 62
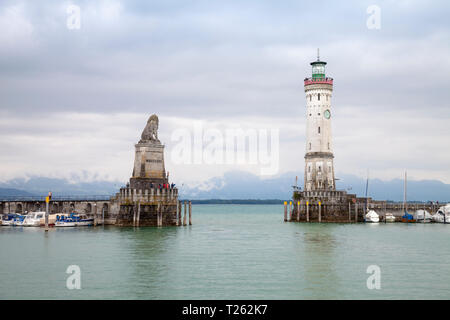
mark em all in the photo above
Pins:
pixel 112 210
pixel 339 206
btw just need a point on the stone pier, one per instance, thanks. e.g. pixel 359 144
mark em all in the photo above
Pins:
pixel 149 195
pixel 339 206
pixel 149 199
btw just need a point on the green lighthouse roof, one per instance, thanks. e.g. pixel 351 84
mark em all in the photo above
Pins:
pixel 318 62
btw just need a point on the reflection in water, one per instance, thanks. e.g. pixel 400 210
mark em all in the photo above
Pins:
pixel 149 251
pixel 231 252
pixel 321 278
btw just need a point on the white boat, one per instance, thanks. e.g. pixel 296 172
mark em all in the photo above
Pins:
pixel 33 219
pixel 389 217
pixel 372 216
pixel 7 222
pixel 442 215
pixel 65 223
pixel 8 219
pixel 422 216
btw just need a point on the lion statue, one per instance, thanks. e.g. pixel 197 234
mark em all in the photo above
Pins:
pixel 150 132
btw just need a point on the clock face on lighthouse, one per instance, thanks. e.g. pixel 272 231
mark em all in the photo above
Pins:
pixel 327 114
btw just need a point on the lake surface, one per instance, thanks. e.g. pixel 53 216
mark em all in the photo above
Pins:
pixel 231 252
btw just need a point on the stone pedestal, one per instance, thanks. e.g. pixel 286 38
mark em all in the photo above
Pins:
pixel 148 200
pixel 148 166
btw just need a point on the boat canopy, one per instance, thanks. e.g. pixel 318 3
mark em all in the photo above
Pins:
pixel 445 209
pixel 408 216
pixel 419 215
pixel 372 213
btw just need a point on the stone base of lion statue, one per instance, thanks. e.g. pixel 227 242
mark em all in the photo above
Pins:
pixel 148 200
pixel 148 166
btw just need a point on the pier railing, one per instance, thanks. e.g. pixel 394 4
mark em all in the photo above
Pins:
pixel 57 198
pixel 324 80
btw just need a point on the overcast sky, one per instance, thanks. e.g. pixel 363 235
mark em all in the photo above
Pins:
pixel 74 102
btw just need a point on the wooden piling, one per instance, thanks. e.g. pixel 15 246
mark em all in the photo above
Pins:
pixel 349 212
pixel 184 217
pixel 46 213
pixel 320 212
pixel 138 214
pixel 356 212
pixel 190 213
pixel 134 216
pixel 298 210
pixel 180 208
pixel 290 210
pixel 307 211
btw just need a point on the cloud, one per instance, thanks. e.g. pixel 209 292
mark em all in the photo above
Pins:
pixel 17 30
pixel 73 102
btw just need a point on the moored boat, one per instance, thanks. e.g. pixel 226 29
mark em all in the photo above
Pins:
pixel 442 215
pixel 83 220
pixel 73 220
pixel 389 217
pixel 33 219
pixel 8 219
pixel 407 217
pixel 372 216
pixel 422 216
pixel 18 220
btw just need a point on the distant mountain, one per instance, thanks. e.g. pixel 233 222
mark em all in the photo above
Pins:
pixel 237 201
pixel 62 187
pixel 243 185
pixel 10 192
pixel 239 185
pixel 418 190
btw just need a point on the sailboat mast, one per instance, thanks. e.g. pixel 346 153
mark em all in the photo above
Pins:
pixel 367 189
pixel 404 193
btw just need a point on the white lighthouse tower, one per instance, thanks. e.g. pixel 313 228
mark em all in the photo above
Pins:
pixel 319 168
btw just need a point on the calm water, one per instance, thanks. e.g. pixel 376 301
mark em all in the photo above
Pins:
pixel 231 252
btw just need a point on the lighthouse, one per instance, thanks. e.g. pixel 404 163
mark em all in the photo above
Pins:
pixel 319 201
pixel 319 168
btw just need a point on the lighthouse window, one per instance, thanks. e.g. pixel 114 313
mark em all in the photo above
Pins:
pixel 320 169
pixel 310 97
pixel 310 146
pixel 318 96
pixel 319 129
